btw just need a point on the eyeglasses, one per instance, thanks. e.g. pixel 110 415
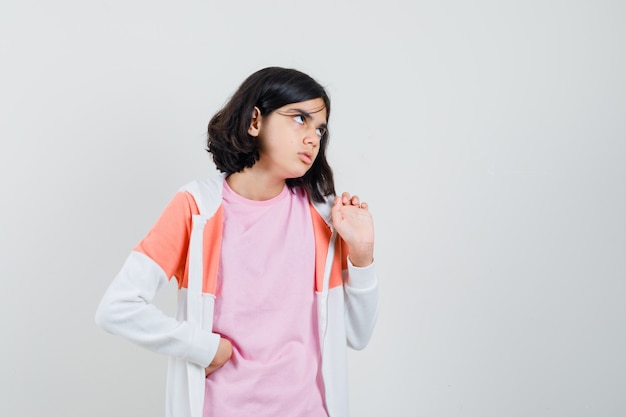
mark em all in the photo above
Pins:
pixel 301 117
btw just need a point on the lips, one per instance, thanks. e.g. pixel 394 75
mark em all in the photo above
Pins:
pixel 306 157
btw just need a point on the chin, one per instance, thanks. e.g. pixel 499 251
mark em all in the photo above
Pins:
pixel 303 174
pixel 298 174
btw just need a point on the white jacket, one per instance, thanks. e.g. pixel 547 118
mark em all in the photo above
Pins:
pixel 347 301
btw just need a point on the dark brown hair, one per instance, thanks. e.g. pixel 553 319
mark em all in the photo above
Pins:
pixel 233 149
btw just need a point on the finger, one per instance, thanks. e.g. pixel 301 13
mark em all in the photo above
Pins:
pixel 339 202
pixel 345 198
pixel 355 200
pixel 363 205
pixel 336 207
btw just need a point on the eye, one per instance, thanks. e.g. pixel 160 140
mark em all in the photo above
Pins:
pixel 299 119
pixel 321 131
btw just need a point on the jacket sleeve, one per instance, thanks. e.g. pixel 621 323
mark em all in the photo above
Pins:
pixel 126 308
pixel 361 304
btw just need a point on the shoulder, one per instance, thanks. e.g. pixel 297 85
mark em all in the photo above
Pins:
pixel 207 193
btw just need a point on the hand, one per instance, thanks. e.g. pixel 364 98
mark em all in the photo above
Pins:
pixel 224 352
pixel 354 223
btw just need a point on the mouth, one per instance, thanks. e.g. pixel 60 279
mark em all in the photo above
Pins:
pixel 306 157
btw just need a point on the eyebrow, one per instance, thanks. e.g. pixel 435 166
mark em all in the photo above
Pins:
pixel 308 115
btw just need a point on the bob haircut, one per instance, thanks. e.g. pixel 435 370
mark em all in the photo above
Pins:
pixel 233 149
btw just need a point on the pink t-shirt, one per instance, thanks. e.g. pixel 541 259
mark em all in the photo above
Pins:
pixel 265 305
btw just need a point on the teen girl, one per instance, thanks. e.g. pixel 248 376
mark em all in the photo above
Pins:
pixel 275 272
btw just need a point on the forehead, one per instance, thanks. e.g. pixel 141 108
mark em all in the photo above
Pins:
pixel 314 107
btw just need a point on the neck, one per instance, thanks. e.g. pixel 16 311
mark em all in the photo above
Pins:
pixel 255 185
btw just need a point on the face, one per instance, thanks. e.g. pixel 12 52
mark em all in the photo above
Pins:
pixel 289 137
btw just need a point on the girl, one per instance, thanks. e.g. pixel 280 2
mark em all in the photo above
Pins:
pixel 275 272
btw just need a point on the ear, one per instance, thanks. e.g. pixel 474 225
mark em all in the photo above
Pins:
pixel 255 122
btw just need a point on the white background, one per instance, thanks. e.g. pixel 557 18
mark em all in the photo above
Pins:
pixel 487 136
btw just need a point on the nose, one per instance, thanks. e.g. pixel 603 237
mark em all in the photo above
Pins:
pixel 312 137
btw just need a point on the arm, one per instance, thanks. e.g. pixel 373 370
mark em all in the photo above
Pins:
pixel 354 223
pixel 126 308
pixel 361 304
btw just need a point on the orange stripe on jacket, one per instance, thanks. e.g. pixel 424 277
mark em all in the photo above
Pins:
pixel 167 243
pixel 322 238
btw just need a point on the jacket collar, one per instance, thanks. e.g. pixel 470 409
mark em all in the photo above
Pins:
pixel 324 209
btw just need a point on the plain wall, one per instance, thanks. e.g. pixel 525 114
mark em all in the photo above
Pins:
pixel 488 138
